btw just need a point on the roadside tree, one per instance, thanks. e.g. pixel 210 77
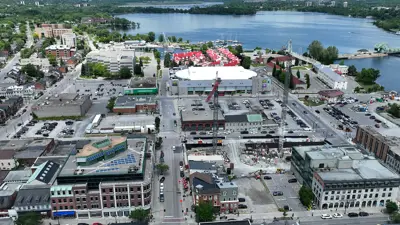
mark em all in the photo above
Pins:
pixel 162 168
pixel 205 212
pixel 30 218
pixel 140 215
pixel 391 207
pixel 157 121
pixel 306 196
pixel 308 83
pixel 125 73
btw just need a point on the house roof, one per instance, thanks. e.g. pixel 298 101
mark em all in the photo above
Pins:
pixel 329 72
pixel 331 93
pixel 282 58
pixel 271 65
pixel 33 197
pixel 7 154
pixel 45 173
pixel 203 186
pixel 200 165
pixel 296 80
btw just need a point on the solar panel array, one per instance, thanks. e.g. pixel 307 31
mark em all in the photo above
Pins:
pixel 129 159
pixel 106 170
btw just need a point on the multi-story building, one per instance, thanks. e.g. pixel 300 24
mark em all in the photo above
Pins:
pixel 228 196
pixel 104 179
pixel 382 145
pixel 135 104
pixel 69 39
pixel 200 120
pixel 51 30
pixel 342 177
pixel 60 51
pixel 205 189
pixel 12 105
pixel 235 80
pixel 246 122
pixel 26 92
pixel 113 57
pixel 330 78
pixel 42 63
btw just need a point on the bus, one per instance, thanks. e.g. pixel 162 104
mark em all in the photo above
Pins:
pixel 96 120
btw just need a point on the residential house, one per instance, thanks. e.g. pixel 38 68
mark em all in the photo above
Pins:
pixel 48 80
pixel 74 60
pixel 204 189
pixel 228 197
pixel 3 57
pixel 18 76
pixel 284 60
pixel 26 92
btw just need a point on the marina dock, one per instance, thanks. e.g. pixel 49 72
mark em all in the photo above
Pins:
pixel 359 55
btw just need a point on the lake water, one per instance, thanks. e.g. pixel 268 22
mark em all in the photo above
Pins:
pixel 274 29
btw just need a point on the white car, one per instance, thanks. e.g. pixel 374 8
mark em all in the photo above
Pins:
pixel 337 215
pixel 326 216
pixel 181 168
pixel 173 148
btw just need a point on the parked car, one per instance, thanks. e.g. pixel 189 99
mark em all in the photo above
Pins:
pixel 223 217
pixel 326 216
pixel 352 214
pixel 277 193
pixel 267 178
pixel 363 214
pixel 242 206
pixel 193 133
pixel 244 132
pixel 241 199
pixel 377 125
pixel 317 111
pixel 293 180
pixel 337 215
pixel 162 179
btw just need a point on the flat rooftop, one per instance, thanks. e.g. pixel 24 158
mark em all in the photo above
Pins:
pixel 97 146
pixel 324 152
pixel 209 73
pixel 149 82
pixel 127 101
pixel 365 169
pixel 330 73
pixel 60 100
pixel 206 115
pixel 120 164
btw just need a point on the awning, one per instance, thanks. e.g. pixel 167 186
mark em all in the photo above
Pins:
pixel 64 213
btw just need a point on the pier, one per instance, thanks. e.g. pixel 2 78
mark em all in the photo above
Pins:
pixel 362 55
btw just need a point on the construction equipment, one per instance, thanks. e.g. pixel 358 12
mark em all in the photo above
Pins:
pixel 214 93
pixel 288 76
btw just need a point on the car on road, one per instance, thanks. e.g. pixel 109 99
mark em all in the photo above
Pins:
pixel 83 224
pixel 241 199
pixel 305 112
pixel 294 104
pixel 326 216
pixel 181 163
pixel 367 114
pixel 244 132
pixel 203 133
pixel 377 126
pixel 317 111
pixel 337 215
pixel 264 132
pixel 293 180
pixel 19 124
pixel 162 179
pixel 242 206
pixel 223 217
pixel 277 193
pixel 372 117
pixel 193 133
pixel 363 214
pixel 267 178
pixel 290 132
pixel 97 224
pixel 352 214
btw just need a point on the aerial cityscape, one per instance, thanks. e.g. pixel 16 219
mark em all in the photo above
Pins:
pixel 263 112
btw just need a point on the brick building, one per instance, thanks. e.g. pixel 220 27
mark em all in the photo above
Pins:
pixel 135 104
pixel 200 120
pixel 204 189
pixel 60 51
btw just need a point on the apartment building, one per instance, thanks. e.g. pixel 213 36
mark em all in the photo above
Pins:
pixel 330 77
pixel 68 39
pixel 26 92
pixel 381 144
pixel 113 57
pixel 60 51
pixel 51 30
pixel 115 182
pixel 342 177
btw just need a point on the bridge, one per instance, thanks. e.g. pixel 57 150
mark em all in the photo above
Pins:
pixel 384 48
pixel 304 58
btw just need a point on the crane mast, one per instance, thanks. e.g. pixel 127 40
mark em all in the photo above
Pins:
pixel 288 76
pixel 214 93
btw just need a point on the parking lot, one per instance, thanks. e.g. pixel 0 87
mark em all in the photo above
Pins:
pixel 50 129
pixel 257 199
pixel 98 88
pixel 279 183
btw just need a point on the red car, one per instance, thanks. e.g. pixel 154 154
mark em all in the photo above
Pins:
pixel 97 224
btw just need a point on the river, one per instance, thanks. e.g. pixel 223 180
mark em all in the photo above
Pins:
pixel 274 29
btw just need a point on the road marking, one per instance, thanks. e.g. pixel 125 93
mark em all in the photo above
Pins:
pixel 168 216
pixel 281 199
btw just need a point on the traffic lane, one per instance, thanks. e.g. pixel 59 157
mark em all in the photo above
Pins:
pixel 279 182
pixel 178 156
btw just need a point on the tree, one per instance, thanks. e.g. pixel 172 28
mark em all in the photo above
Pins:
pixel 368 76
pixel 205 212
pixel 391 207
pixel 394 110
pixel 210 44
pixel 29 218
pixel 157 123
pixel 395 218
pixel 316 50
pixel 151 36
pixel 330 55
pixel 352 71
pixel 111 104
pixel 274 71
pixel 167 59
pixel 298 74
pixel 137 69
pixel 32 71
pixel 141 215
pixel 307 76
pixel 35 36
pixel 125 73
pixel 341 62
pixel 180 40
pixel 306 196
pixel 52 59
pixel 161 38
pixel 246 62
pixel 239 49
pixel 173 39
pixel 162 168
pixel 203 48
pixel 357 89
pixel 62 63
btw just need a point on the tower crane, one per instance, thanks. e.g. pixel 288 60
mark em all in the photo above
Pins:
pixel 214 93
pixel 288 76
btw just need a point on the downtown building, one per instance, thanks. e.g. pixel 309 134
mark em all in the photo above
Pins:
pixel 113 57
pixel 105 178
pixel 342 177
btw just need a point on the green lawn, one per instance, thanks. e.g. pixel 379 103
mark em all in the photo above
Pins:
pixel 311 102
pixel 305 67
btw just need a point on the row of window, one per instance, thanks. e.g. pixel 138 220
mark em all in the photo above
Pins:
pixel 343 197
pixel 359 191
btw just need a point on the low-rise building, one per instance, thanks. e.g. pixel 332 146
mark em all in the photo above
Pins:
pixel 330 78
pixel 246 122
pixel 51 30
pixel 7 160
pixel 342 177
pixel 12 105
pixel 27 92
pixel 62 105
pixel 228 197
pixel 202 167
pixel 113 58
pixel 3 56
pixel 200 120
pixel 32 199
pixel 284 59
pixel 42 63
pixel 74 61
pixel 60 51
pixel 340 69
pixel 205 189
pixel 135 104
pixel 331 96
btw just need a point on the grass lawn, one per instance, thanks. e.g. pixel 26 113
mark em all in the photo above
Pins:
pixel 310 102
pixel 305 67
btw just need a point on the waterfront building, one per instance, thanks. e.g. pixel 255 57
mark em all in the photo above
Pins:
pixel 330 78
pixel 113 58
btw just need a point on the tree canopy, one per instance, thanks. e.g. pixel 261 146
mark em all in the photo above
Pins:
pixel 368 76
pixel 32 71
pixel 306 196
pixel 140 215
pixel 29 218
pixel 394 110
pixel 205 212
pixel 125 73
pixel 391 207
pixel 326 56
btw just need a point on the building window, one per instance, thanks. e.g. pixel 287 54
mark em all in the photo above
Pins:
pixel 383 195
pixel 70 200
pixel 103 190
pixel 53 201
pixel 224 193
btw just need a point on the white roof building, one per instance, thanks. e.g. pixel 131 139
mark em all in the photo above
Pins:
pixel 209 73
pixel 113 58
pixel 330 77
